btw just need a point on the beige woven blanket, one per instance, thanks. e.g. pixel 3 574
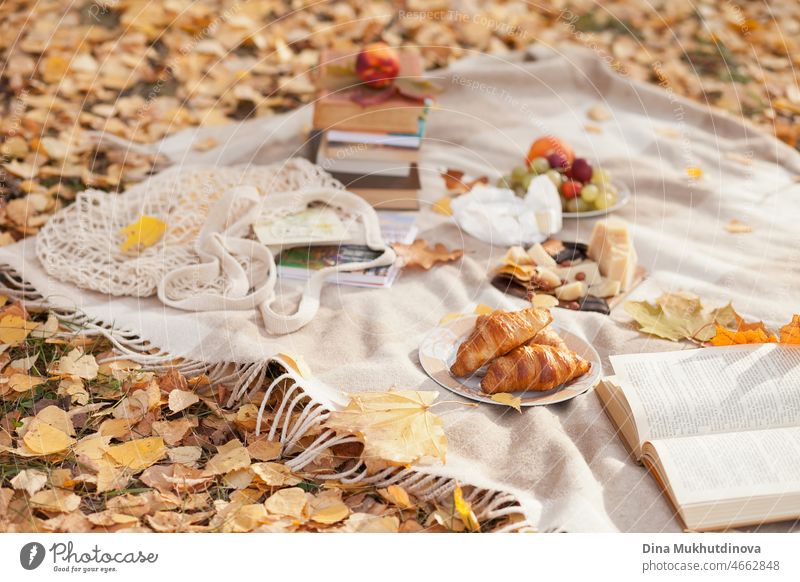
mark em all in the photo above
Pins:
pixel 564 462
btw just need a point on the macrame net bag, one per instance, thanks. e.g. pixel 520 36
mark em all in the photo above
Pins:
pixel 207 258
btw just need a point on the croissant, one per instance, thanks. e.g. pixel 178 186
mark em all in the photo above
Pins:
pixel 534 367
pixel 497 334
pixel 548 337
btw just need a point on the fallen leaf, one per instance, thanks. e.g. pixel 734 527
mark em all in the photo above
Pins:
pixel 397 495
pixel 598 113
pixel 737 227
pixel 264 450
pixel 395 427
pixel 464 510
pixel 727 337
pixel 43 439
pixel 29 480
pixel 230 457
pixel 138 454
pixel 14 329
pixel 680 315
pixel 143 233
pixel 274 474
pixel 419 254
pixel 23 382
pixel 56 500
pixel 443 206
pixel 507 399
pixel 181 400
pixel 694 172
pixel 368 523
pixel 291 502
pixel 76 363
pixel 790 333
pixel 458 183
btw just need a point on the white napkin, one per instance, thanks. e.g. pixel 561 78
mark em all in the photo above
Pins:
pixel 499 217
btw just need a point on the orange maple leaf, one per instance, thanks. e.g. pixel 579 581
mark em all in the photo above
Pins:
pixel 790 333
pixel 753 335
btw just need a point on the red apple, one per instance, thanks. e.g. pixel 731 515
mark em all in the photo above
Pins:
pixel 377 65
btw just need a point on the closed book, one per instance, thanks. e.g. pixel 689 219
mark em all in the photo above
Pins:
pixel 384 192
pixel 337 108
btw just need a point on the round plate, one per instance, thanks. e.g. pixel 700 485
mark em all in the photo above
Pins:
pixel 438 351
pixel 624 198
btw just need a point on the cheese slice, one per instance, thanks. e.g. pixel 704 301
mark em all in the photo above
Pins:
pixel 611 246
pixel 589 269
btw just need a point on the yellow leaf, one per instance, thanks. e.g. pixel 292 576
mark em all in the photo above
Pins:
pixel 274 474
pixel 264 450
pixel 482 309
pixel 43 439
pixel 138 454
pixel 368 523
pixel 790 333
pixel 395 427
pixel 694 172
pixel 56 500
pixel 331 514
pixel 78 364
pixel 509 400
pixel 397 495
pixel 14 329
pixel 464 510
pixel 181 400
pixel 297 364
pixel 443 206
pixel 23 382
pixel 738 227
pixel 448 317
pixel 290 502
pixel 143 233
pixel 230 457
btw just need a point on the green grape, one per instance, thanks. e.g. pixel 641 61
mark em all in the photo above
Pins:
pixel 555 177
pixel 526 181
pixel 540 165
pixel 589 193
pixel 606 200
pixel 505 182
pixel 519 173
pixel 600 176
pixel 577 205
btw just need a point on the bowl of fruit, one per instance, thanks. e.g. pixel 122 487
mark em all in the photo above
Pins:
pixel 585 190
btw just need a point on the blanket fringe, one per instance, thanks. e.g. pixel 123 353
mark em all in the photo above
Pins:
pixel 297 415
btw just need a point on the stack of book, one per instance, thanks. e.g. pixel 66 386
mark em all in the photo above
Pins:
pixel 370 145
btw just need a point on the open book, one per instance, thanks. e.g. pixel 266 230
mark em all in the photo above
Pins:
pixel 719 428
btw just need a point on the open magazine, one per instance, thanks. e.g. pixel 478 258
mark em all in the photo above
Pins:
pixel 300 262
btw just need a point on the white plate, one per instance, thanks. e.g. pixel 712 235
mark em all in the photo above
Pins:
pixel 624 198
pixel 438 351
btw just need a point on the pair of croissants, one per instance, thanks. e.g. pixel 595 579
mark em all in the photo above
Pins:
pixel 524 353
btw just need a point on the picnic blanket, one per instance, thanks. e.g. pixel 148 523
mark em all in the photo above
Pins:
pixel 564 462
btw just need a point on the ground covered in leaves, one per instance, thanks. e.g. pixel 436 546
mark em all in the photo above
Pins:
pixel 141 70
pixel 92 443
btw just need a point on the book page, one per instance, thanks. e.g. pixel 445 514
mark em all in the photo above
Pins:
pixel 711 390
pixel 736 465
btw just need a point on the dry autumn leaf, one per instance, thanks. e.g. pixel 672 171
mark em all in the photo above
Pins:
pixel 680 315
pixel 507 399
pixel 143 233
pixel 181 400
pixel 458 183
pixel 419 254
pixel 395 427
pixel 78 364
pixel 138 454
pixel 14 329
pixel 43 439
pixel 464 510
pixel 790 333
